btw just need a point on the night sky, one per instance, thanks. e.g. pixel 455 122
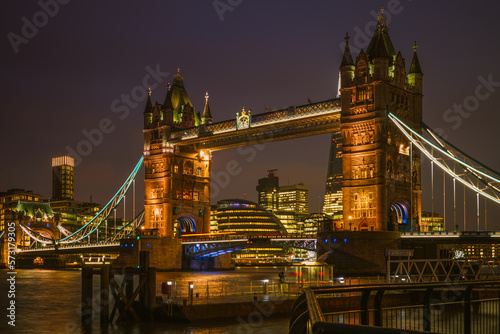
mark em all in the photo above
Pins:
pixel 65 79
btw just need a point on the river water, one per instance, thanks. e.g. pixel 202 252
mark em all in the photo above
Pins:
pixel 48 301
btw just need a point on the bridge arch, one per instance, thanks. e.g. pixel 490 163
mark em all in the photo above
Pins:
pixel 46 232
pixel 184 223
pixel 399 213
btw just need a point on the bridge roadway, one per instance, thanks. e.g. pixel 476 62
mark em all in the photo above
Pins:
pixel 211 247
pixel 454 236
pixel 193 246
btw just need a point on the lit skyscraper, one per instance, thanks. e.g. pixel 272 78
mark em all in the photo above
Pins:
pixel 294 198
pixel 63 178
pixel 268 189
pixel 333 193
pixel 289 203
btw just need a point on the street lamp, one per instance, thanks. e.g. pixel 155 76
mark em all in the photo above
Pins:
pixel 350 223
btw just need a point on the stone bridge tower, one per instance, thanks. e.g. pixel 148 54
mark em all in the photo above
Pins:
pixel 177 177
pixel 381 174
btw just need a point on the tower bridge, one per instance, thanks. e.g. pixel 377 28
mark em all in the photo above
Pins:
pixel 379 117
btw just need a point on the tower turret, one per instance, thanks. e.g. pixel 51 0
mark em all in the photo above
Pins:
pixel 168 109
pixel 148 111
pixel 206 118
pixel 380 180
pixel 381 51
pixel 415 74
pixel 347 65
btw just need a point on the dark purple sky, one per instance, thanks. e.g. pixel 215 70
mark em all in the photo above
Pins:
pixel 64 79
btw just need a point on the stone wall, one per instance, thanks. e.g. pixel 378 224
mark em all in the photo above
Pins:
pixel 164 253
pixel 357 252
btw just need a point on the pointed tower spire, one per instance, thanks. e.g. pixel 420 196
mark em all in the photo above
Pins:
pixel 206 118
pixel 149 105
pixel 415 64
pixel 168 98
pixel 381 45
pixel 347 57
pixel 346 66
pixel 177 77
pixel 415 74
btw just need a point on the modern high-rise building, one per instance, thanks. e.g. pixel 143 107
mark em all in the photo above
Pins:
pixel 289 203
pixel 63 175
pixel 333 192
pixel 73 214
pixel 294 198
pixel 268 189
pixel 431 222
pixel 11 198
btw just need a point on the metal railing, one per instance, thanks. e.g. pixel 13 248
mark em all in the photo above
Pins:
pixel 465 307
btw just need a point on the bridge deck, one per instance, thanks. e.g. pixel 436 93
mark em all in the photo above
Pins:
pixel 293 122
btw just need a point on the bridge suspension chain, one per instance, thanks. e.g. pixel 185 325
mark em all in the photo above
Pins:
pixel 105 212
pixel 35 235
pixel 127 229
pixel 460 166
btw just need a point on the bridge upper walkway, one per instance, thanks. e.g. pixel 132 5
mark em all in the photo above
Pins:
pixel 292 122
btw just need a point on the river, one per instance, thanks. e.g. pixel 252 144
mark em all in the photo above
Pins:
pixel 48 301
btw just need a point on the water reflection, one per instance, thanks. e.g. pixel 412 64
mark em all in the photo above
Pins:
pixel 48 301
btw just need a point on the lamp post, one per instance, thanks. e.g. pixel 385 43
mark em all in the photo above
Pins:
pixel 350 223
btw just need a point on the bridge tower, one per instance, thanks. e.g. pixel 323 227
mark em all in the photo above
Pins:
pixel 177 178
pixel 381 172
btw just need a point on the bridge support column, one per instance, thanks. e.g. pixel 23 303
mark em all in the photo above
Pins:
pixel 87 274
pixel 104 296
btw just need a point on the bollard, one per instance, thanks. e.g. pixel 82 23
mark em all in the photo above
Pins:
pixel 169 285
pixel 190 292
pixel 165 288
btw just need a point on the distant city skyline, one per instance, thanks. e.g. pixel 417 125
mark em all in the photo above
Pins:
pixel 70 81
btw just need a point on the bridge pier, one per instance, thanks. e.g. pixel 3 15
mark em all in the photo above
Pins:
pixel 87 276
pixel 104 296
pixel 217 262
pixel 357 252
pixel 124 293
pixel 164 253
